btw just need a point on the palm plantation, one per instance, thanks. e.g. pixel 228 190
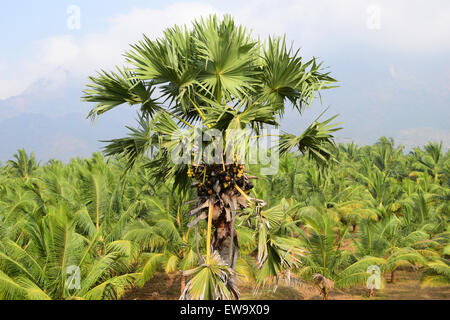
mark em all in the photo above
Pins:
pixel 326 216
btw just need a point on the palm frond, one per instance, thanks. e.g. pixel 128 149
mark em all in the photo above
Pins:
pixel 317 141
pixel 112 89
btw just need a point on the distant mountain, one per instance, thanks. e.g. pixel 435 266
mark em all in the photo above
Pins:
pixel 58 95
pixel 60 137
pixel 49 119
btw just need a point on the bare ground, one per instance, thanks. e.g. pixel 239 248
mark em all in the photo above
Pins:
pixel 167 287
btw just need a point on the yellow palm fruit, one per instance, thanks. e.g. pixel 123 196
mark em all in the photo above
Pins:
pixel 395 206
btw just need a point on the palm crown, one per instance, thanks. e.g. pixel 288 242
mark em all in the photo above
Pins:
pixel 215 73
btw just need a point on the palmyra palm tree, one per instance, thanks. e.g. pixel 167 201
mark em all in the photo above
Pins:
pixel 212 76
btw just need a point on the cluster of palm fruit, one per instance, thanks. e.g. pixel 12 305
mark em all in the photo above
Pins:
pixel 218 178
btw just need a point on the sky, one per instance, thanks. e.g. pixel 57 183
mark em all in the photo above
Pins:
pixel 391 59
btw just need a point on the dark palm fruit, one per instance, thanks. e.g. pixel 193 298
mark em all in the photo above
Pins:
pixel 210 192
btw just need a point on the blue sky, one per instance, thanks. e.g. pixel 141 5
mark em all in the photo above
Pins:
pixel 391 58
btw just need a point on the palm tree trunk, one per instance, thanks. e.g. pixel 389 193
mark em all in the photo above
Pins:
pixel 208 236
pixel 223 189
pixel 324 293
pixel 183 282
pixel 225 242
pixel 393 276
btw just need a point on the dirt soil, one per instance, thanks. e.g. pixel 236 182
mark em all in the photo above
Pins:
pixel 407 287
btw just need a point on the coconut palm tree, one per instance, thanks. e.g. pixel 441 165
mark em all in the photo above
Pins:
pixel 387 157
pixel 213 76
pixel 40 266
pixel 68 217
pixel 390 240
pixel 436 273
pixel 430 160
pixel 323 261
pixel 136 226
pixel 23 164
pixel 383 191
pixel 165 240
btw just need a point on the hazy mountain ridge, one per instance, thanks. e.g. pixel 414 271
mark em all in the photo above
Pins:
pixel 49 118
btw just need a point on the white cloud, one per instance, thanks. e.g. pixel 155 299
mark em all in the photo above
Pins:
pixel 405 25
pixel 57 51
pixel 9 87
pixel 58 55
pixel 104 50
pixel 415 27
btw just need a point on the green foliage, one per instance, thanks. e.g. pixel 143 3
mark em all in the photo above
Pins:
pixel 23 165
pixel 209 282
pixel 120 222
pixel 120 230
